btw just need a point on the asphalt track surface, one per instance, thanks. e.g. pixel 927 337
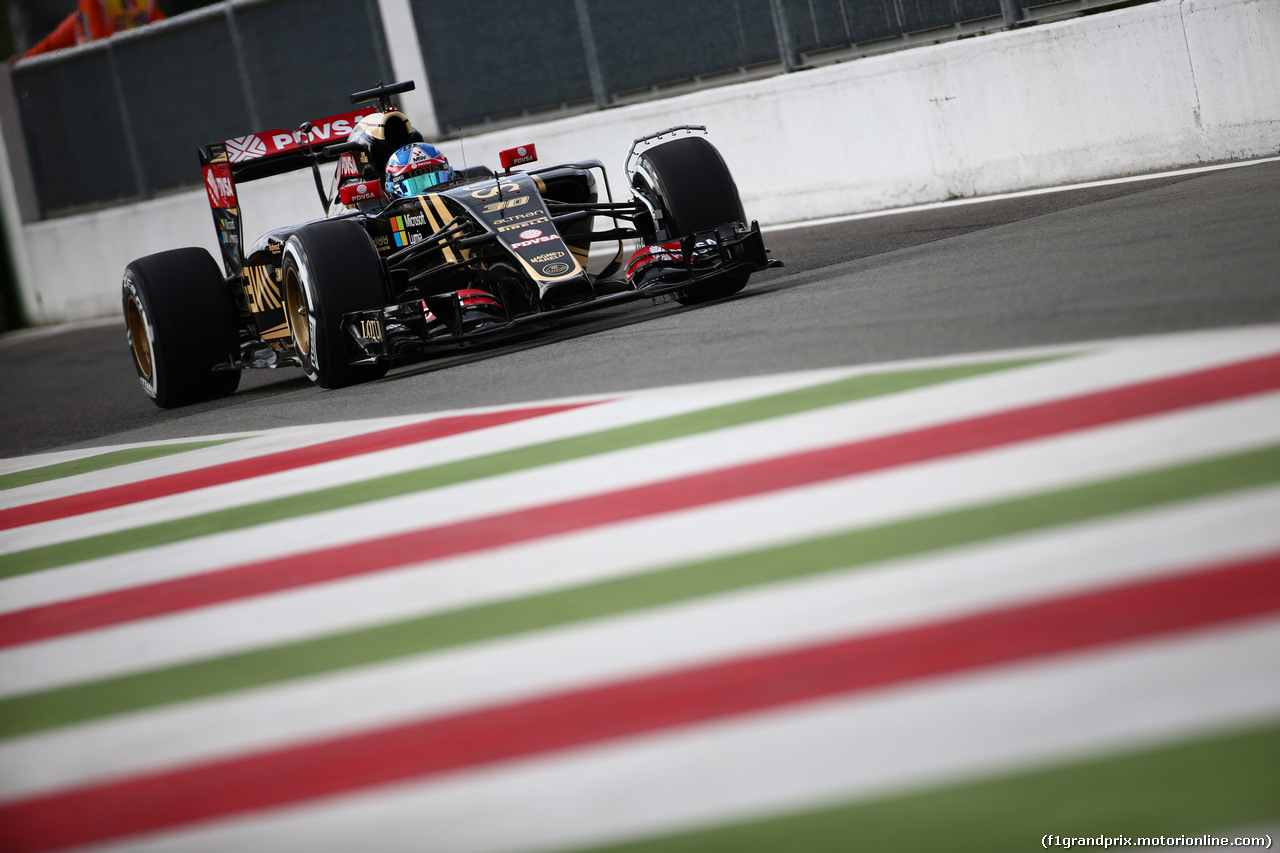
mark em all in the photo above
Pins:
pixel 1168 254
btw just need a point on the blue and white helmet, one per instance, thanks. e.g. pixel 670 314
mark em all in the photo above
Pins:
pixel 415 169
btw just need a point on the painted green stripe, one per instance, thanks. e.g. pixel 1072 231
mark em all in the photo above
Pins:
pixel 1202 787
pixel 548 453
pixel 102 461
pixel 850 549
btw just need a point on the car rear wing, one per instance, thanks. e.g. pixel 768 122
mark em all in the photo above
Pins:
pixel 263 155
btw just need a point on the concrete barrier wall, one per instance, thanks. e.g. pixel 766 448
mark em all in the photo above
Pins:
pixel 1156 86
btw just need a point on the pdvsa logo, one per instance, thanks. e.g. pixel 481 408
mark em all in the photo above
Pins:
pixel 533 241
pixel 217 182
pixel 221 187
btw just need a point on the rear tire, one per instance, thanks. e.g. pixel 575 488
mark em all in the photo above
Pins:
pixel 692 183
pixel 181 320
pixel 330 269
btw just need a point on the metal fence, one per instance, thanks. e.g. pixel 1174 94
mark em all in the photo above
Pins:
pixel 600 53
pixel 120 120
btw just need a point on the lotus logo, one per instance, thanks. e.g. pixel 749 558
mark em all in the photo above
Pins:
pixel 555 269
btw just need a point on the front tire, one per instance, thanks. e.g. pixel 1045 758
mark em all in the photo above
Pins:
pixel 181 321
pixel 692 183
pixel 330 269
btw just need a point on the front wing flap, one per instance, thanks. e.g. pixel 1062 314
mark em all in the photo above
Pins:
pixel 443 322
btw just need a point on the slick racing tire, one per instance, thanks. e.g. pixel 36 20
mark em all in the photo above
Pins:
pixel 691 182
pixel 181 320
pixel 330 269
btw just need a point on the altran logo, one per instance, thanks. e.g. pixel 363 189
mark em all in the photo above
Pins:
pixel 245 148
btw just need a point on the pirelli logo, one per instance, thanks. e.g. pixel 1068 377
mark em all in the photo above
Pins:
pixel 533 221
pixel 260 292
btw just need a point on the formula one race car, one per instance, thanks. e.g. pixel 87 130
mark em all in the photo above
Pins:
pixel 384 278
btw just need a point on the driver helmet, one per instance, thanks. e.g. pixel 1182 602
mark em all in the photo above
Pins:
pixel 415 169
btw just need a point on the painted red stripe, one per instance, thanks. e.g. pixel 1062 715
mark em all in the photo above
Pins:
pixel 414 751
pixel 800 469
pixel 260 466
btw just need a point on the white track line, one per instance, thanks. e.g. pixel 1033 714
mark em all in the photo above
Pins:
pixel 965 202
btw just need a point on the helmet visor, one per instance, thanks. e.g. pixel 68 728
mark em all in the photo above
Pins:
pixel 421 182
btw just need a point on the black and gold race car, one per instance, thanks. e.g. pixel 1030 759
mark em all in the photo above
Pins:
pixel 380 279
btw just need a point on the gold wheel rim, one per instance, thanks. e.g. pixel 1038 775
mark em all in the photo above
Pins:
pixel 296 310
pixel 138 338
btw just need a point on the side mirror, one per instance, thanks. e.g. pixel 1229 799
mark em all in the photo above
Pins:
pixel 518 156
pixel 364 191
